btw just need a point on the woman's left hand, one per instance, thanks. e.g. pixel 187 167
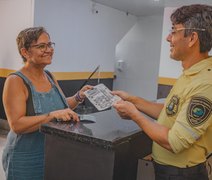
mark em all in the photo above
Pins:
pixel 84 88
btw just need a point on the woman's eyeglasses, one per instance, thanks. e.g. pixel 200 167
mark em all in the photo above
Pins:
pixel 43 46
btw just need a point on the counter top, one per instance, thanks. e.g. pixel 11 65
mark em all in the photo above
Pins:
pixel 107 132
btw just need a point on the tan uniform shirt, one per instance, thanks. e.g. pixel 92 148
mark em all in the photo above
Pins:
pixel 188 114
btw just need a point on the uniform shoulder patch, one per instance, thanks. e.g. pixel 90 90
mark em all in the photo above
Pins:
pixel 199 110
pixel 172 107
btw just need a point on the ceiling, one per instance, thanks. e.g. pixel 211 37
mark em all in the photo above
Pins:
pixel 147 7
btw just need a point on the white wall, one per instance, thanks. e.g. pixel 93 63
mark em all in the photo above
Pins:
pixel 140 50
pixel 14 16
pixel 84 38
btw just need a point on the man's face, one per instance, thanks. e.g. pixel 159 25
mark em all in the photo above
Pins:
pixel 178 43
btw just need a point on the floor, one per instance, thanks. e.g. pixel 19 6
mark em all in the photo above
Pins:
pixel 2 143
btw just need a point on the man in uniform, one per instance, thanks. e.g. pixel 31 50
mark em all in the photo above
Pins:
pixel 183 130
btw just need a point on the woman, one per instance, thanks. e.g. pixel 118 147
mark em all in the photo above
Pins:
pixel 31 97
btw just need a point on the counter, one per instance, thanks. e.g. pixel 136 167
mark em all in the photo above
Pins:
pixel 108 149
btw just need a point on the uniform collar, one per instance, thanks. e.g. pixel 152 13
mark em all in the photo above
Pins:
pixel 198 67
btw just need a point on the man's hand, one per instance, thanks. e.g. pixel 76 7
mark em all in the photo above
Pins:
pixel 122 94
pixel 126 109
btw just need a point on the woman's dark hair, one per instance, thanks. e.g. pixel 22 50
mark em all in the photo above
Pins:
pixel 27 36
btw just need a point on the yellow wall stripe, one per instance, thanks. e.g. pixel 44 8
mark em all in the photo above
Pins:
pixel 82 75
pixel 68 75
pixel 166 81
pixel 5 72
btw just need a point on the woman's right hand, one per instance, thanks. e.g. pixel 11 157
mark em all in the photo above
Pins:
pixel 64 115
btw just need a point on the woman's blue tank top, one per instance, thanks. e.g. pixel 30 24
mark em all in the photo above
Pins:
pixel 23 156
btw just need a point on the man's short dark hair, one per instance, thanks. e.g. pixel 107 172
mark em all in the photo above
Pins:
pixel 197 16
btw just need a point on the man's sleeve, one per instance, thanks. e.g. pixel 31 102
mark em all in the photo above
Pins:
pixel 192 121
